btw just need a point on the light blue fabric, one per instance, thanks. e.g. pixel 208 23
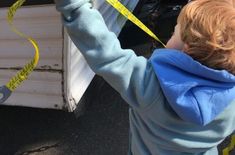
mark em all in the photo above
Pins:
pixel 197 93
pixel 155 126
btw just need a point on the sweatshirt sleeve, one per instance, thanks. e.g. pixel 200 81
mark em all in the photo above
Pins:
pixel 132 76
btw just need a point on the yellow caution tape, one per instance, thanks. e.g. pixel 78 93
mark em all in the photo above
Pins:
pixel 125 12
pixel 230 147
pixel 28 68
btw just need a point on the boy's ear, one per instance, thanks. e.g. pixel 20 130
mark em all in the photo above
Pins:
pixel 185 48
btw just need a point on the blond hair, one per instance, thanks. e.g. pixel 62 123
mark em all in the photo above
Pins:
pixel 208 29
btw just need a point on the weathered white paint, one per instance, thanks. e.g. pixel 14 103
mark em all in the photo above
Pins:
pixel 19 51
pixel 43 24
pixel 78 74
pixel 42 89
pixel 62 75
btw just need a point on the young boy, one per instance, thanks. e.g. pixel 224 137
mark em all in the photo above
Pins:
pixel 182 99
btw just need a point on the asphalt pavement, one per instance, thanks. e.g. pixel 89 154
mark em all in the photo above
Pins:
pixel 102 130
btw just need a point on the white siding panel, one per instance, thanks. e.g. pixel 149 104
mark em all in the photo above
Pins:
pixel 49 27
pixel 78 74
pixel 35 11
pixel 35 101
pixel 42 89
pixel 16 53
pixel 34 22
pixel 44 25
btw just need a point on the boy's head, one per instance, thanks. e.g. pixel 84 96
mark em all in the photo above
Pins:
pixel 206 32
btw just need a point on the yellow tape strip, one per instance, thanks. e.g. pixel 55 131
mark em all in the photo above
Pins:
pixel 230 147
pixel 28 68
pixel 125 12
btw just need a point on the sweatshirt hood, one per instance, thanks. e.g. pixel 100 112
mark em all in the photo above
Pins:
pixel 195 92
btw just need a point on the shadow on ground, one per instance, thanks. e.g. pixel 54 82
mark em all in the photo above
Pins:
pixel 102 130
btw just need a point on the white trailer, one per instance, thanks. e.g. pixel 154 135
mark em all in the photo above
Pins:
pixel 62 75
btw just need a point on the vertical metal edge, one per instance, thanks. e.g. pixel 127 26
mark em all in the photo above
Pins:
pixel 70 103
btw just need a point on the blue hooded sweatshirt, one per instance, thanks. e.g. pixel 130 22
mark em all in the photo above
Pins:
pixel 197 93
pixel 177 105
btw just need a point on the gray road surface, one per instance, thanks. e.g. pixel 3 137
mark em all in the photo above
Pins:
pixel 103 130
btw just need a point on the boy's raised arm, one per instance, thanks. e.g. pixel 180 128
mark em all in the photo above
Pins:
pixel 130 75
